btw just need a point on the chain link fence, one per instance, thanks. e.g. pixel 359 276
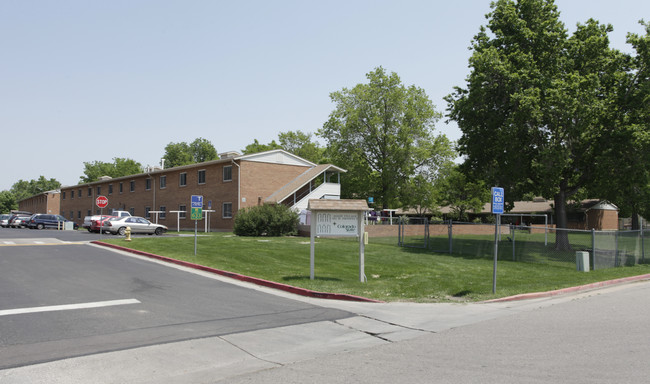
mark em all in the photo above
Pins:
pixel 531 244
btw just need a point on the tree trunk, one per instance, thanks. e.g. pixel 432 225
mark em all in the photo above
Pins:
pixel 636 225
pixel 561 222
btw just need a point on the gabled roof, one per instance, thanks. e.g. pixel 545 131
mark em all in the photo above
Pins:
pixel 300 181
pixel 338 205
pixel 276 156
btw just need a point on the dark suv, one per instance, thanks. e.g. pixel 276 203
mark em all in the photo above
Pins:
pixel 40 221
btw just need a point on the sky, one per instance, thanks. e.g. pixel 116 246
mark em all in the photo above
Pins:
pixel 84 81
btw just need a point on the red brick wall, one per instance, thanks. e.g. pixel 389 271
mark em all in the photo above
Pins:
pixel 260 180
pixel 257 179
pixel 42 203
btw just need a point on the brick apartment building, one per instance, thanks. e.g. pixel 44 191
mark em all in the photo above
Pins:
pixel 227 185
pixel 47 202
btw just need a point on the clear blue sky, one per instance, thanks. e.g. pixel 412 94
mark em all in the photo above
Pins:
pixel 94 80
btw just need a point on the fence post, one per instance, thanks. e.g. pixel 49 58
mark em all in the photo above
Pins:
pixel 512 232
pixel 642 245
pixel 593 247
pixel 426 233
pixel 400 243
pixel 450 232
pixel 616 257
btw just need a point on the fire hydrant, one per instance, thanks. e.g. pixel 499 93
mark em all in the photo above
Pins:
pixel 127 232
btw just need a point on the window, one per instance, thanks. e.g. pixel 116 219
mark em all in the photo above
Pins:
pixel 226 212
pixel 147 213
pixel 71 194
pixel 90 191
pixel 147 184
pixel 110 189
pixel 79 194
pixel 71 214
pixel 121 187
pixel 163 212
pixel 227 173
pixel 89 213
pixel 183 211
pixel 132 211
pixel 78 214
pixel 99 190
pixel 63 195
pixel 183 179
pixel 132 186
pixel 163 182
pixel 202 176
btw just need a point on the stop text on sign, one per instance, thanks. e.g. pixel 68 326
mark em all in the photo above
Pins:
pixel 101 201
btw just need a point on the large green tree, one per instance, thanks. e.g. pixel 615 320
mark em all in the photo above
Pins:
pixel 382 132
pixel 626 147
pixel 23 189
pixel 533 110
pixel 198 151
pixel 297 142
pixel 118 168
pixel 7 202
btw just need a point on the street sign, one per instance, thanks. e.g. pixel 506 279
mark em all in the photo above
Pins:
pixel 196 207
pixel 101 201
pixel 498 200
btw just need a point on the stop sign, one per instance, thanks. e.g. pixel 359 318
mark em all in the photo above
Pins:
pixel 101 201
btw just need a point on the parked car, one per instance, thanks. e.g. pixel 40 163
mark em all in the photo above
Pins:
pixel 117 225
pixel 40 221
pixel 95 225
pixel 4 220
pixel 88 220
pixel 18 221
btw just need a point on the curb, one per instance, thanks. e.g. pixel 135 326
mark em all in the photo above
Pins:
pixel 580 288
pixel 249 279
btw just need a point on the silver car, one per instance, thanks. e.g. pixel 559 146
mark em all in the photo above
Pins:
pixel 117 225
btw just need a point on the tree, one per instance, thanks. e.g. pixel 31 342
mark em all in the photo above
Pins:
pixel 297 142
pixel 534 109
pixel 462 194
pixel 7 202
pixel 256 147
pixel 382 133
pixel 626 149
pixel 118 168
pixel 23 189
pixel 300 144
pixel 198 151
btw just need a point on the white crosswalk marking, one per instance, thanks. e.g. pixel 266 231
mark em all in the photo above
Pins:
pixel 68 307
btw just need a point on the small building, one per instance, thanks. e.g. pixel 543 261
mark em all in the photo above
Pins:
pixel 231 183
pixel 46 202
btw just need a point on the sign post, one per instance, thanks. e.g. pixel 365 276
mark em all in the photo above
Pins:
pixel 196 214
pixel 338 218
pixel 101 202
pixel 498 203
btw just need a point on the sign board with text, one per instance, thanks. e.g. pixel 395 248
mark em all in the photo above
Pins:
pixel 498 200
pixel 337 223
pixel 101 201
pixel 196 212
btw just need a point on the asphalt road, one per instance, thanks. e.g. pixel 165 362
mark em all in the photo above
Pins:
pixel 62 298
pixel 598 336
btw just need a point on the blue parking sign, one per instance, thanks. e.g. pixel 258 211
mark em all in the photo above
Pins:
pixel 498 200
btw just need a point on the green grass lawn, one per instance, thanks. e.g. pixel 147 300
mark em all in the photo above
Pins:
pixel 394 273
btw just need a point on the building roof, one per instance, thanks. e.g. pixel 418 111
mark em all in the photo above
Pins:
pixel 276 156
pixel 337 205
pixel 300 181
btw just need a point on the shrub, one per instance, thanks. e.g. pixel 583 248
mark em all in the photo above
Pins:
pixel 266 220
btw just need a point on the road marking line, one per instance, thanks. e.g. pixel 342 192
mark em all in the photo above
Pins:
pixel 39 242
pixel 9 242
pixel 67 307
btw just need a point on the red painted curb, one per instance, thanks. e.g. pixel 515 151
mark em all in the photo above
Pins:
pixel 586 287
pixel 237 276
